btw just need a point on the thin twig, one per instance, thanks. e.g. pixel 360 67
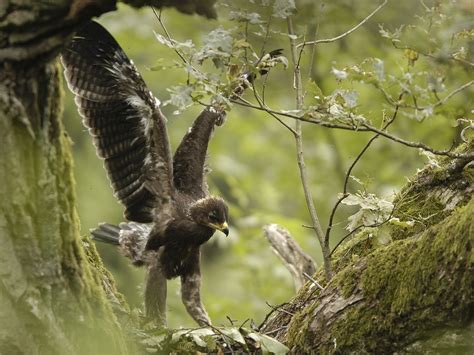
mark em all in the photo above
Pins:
pixel 262 104
pixel 300 155
pixel 438 103
pixel 168 36
pixel 365 127
pixel 348 32
pixel 448 153
pixel 429 55
pixel 242 102
pixel 276 330
pixel 316 283
pixel 223 336
pixel 280 309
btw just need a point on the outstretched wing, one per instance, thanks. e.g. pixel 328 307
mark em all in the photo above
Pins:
pixel 190 157
pixel 124 119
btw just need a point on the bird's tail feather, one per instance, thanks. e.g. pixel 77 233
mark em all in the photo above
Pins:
pixel 106 233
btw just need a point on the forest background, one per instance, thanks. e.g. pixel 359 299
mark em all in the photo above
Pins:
pixel 253 157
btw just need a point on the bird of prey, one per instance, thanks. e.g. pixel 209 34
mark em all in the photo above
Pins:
pixel 169 210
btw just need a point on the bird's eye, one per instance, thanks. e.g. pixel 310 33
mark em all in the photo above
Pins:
pixel 212 217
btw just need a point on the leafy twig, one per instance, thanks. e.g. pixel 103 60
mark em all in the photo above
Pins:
pixel 365 127
pixel 349 171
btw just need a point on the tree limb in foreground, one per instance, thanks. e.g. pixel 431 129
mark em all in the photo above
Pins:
pixel 384 297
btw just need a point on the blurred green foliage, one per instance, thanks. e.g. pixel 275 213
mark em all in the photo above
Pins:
pixel 253 157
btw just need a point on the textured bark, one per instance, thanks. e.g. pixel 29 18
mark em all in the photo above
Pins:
pixel 51 295
pixel 55 295
pixel 385 296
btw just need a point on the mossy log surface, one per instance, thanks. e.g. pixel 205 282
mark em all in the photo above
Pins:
pixel 388 295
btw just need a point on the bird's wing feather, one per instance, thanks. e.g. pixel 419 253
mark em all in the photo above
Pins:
pixel 124 119
pixel 190 157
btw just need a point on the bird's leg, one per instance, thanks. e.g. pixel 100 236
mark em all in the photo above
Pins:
pixel 191 295
pixel 155 292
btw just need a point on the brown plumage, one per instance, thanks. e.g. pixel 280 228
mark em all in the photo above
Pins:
pixel 130 134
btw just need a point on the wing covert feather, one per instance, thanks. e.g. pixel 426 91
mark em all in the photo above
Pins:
pixel 124 119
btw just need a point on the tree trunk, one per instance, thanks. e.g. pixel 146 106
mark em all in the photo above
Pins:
pixel 388 295
pixel 55 295
pixel 51 295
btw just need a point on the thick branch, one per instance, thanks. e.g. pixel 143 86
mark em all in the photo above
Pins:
pixel 382 298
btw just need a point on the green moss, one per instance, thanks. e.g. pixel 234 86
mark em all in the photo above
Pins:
pixel 61 294
pixel 427 199
pixel 408 287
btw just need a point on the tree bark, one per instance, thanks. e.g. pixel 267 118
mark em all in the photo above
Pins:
pixel 386 296
pixel 55 295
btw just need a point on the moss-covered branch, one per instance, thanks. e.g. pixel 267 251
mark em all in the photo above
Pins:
pixel 385 296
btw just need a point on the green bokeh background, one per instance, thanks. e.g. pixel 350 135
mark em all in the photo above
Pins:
pixel 253 157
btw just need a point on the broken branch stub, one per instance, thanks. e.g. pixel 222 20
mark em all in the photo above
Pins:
pixel 288 250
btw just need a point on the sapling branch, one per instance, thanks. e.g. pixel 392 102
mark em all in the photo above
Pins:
pixel 300 154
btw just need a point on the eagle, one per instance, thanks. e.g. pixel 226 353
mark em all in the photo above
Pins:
pixel 168 208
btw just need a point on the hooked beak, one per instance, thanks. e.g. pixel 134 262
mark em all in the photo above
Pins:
pixel 223 227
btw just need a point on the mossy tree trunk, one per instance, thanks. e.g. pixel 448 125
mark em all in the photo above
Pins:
pixel 55 296
pixel 386 296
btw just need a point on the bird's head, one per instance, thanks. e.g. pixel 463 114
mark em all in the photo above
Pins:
pixel 211 212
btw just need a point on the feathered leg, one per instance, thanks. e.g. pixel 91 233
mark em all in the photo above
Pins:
pixel 191 293
pixel 131 239
pixel 156 292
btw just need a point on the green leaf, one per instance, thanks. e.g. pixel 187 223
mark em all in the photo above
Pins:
pixel 283 8
pixel 234 334
pixel 405 224
pixel 180 96
pixel 372 210
pixel 339 74
pixel 350 97
pixel 379 69
pixel 272 346
pixel 198 341
pixel 243 16
pixel 217 45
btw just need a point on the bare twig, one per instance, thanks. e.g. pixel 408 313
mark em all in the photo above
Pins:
pixel 448 153
pixel 262 104
pixel 300 155
pixel 316 283
pixel 280 309
pixel 217 331
pixel 268 315
pixel 348 32
pixel 276 330
pixel 168 36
